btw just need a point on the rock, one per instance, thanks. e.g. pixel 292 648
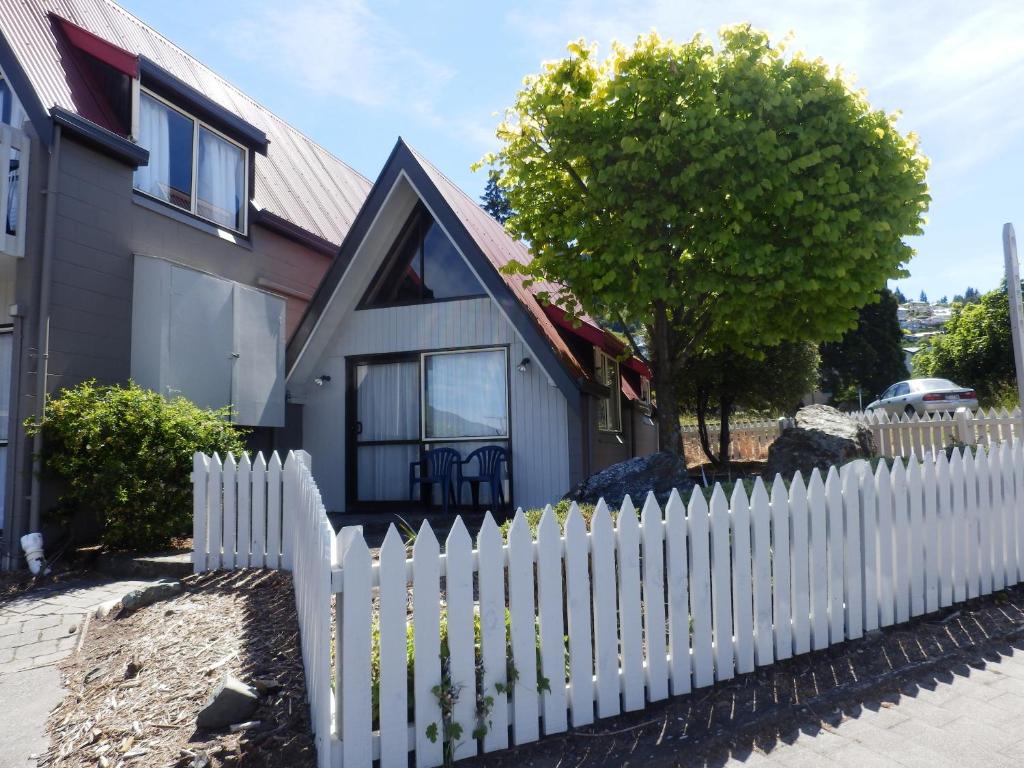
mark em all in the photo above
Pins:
pixel 659 472
pixel 266 685
pixel 823 437
pixel 231 702
pixel 139 598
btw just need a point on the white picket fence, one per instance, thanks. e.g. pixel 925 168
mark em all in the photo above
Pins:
pixel 748 440
pixel 636 608
pixel 916 435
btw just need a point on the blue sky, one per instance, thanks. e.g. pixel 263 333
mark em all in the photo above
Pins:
pixel 355 74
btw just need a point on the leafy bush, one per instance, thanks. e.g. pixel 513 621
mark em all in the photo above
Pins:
pixel 125 454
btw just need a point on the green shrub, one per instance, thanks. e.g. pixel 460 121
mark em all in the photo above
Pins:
pixel 125 454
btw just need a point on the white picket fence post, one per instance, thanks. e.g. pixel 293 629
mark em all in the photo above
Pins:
pixel 611 618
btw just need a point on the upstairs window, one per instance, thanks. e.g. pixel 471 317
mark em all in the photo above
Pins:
pixel 422 266
pixel 191 166
pixel 609 413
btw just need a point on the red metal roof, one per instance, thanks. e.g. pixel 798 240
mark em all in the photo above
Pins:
pixel 500 248
pixel 298 180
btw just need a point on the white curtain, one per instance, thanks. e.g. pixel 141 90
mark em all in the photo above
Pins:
pixel 6 351
pixel 155 135
pixel 466 394
pixel 388 408
pixel 13 173
pixel 220 180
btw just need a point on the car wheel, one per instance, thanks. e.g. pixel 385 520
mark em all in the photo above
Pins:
pixel 909 410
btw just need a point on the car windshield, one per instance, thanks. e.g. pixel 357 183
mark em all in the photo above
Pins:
pixel 927 385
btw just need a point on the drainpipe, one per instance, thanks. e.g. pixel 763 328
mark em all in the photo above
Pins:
pixel 43 325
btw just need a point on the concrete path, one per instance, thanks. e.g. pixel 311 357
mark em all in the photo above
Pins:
pixel 38 629
pixel 974 719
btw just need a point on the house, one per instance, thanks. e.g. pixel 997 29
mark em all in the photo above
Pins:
pixel 417 339
pixel 161 225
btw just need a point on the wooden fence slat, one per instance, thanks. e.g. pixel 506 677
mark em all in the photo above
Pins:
pixel 274 497
pixel 426 622
pixel 930 542
pixel 869 547
pixel 552 630
pixel 1017 513
pixel 944 507
pixel 901 540
pixel 215 503
pixel 393 620
pixel 577 604
pixel 677 577
pixel 995 518
pixel 1008 539
pixel 357 614
pixel 230 511
pixel 984 518
pixel 886 568
pixel 257 557
pixel 761 527
pixel 627 535
pixel 853 558
pixel 721 585
pixel 973 570
pixel 243 534
pixel 780 595
pixel 836 555
pixel 800 565
pixel 200 513
pixel 491 577
pixel 652 533
pixel 606 636
pixel 742 581
pixel 522 631
pixel 458 585
pixel 958 525
pixel 698 528
pixel 818 516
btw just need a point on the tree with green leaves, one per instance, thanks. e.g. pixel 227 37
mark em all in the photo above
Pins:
pixel 869 356
pixel 730 198
pixel 494 200
pixel 772 379
pixel 899 296
pixel 976 349
pixel 923 297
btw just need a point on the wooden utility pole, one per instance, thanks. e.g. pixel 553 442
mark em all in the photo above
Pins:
pixel 1016 309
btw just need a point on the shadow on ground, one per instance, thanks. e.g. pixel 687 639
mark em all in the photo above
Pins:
pixel 760 711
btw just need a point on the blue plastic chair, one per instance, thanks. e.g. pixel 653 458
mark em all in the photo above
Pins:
pixel 489 460
pixel 438 465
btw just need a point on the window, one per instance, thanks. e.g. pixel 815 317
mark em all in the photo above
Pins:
pixel 190 166
pixel 422 266
pixel 465 394
pixel 645 390
pixel 606 371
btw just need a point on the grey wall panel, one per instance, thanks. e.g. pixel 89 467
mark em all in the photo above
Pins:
pixel 258 381
pixel 539 421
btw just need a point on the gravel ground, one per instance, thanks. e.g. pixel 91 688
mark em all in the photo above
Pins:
pixel 138 683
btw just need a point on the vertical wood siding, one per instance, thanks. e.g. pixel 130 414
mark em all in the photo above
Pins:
pixel 540 457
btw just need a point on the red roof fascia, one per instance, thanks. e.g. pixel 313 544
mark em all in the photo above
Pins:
pixel 118 58
pixel 596 336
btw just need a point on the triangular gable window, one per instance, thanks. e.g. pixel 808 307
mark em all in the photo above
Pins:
pixel 422 266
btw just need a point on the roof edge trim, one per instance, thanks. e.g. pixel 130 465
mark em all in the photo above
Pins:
pixel 294 232
pixel 117 146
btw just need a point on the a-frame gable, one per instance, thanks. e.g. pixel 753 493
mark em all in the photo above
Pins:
pixel 403 163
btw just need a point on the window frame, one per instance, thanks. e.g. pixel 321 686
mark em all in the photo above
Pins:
pixel 423 396
pixel 193 209
pixel 645 390
pixel 612 404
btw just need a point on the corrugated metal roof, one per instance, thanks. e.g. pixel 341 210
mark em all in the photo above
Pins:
pixel 297 180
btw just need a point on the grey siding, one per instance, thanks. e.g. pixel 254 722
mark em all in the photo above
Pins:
pixel 540 450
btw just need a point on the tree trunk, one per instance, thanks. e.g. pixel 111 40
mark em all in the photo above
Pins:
pixel 702 428
pixel 670 434
pixel 724 438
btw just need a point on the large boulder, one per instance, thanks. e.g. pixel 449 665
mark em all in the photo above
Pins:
pixel 823 437
pixel 659 472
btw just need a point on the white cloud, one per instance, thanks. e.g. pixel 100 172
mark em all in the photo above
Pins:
pixel 342 48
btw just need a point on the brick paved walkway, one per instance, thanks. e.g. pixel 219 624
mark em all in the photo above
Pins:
pixel 38 629
pixel 968 717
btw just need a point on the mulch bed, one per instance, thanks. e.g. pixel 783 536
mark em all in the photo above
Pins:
pixel 14 584
pixel 138 682
pixel 755 712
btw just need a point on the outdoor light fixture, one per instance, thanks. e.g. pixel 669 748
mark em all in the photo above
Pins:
pixel 322 379
pixel 523 363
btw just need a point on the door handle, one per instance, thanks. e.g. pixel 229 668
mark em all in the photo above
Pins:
pixel 359 427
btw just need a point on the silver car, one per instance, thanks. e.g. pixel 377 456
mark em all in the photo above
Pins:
pixel 923 396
